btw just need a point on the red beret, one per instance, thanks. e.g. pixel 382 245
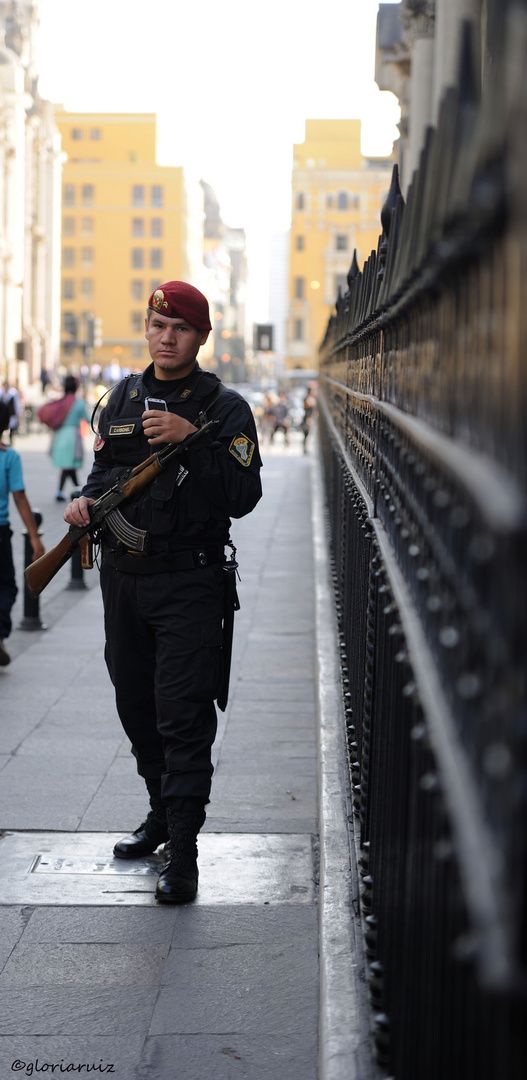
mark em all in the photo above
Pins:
pixel 177 300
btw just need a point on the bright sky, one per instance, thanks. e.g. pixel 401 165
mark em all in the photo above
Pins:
pixel 231 81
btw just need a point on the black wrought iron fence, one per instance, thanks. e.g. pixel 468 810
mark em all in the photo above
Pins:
pixel 423 412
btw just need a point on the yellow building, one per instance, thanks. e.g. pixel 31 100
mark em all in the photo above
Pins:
pixel 128 224
pixel 337 199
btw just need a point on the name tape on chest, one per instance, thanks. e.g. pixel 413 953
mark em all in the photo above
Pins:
pixel 121 429
pixel 242 449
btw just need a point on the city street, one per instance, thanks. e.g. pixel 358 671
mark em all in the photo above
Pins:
pixel 93 970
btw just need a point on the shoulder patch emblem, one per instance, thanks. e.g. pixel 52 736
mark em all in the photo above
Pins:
pixel 242 449
pixel 133 394
pixel 98 443
pixel 185 393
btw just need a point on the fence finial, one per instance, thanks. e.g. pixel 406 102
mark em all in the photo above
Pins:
pixel 388 205
pixel 353 270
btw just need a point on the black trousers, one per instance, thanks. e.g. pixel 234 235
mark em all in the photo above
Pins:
pixel 8 587
pixel 163 653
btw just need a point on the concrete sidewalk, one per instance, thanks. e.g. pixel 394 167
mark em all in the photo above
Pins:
pixel 94 972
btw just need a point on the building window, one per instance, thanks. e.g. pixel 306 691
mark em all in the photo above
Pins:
pixel 341 282
pixel 88 194
pixel 87 256
pixel 342 201
pixel 68 226
pixel 87 288
pixel 138 195
pixel 300 243
pixel 156 259
pixel 156 226
pixel 341 243
pixel 69 194
pixel 138 258
pixel 156 195
pixel 136 322
pixel 137 290
pixel 300 201
pixel 153 286
pixel 136 352
pixel 68 289
pixel 95 134
pixel 68 257
pixel 76 134
pixel 299 330
pixel 299 288
pixel 356 201
pixel 329 201
pixel 69 323
pixel 87 226
pixel 138 226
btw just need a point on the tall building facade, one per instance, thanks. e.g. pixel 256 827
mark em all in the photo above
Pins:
pixel 337 197
pixel 30 168
pixel 225 258
pixel 128 224
pixel 418 55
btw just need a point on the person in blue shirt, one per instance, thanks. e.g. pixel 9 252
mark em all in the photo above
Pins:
pixel 11 480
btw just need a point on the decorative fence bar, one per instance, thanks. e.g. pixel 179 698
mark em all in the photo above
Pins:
pixel 423 419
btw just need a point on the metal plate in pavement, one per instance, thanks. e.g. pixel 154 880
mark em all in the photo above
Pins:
pixel 78 869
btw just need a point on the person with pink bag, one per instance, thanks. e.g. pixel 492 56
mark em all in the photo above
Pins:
pixel 66 447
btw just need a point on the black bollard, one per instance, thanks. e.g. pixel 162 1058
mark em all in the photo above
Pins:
pixel 77 573
pixel 31 619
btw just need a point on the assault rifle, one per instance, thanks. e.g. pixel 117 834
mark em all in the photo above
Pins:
pixel 39 573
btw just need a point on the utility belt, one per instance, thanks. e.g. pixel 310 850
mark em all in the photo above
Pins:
pixel 135 562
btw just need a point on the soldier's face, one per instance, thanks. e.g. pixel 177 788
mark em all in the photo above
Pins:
pixel 173 345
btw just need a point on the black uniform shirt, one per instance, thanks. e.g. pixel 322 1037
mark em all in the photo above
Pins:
pixel 223 465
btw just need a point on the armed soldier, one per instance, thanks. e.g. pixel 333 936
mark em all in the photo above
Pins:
pixel 167 597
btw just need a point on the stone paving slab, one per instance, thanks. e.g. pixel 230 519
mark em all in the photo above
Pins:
pixel 228 1057
pixel 66 964
pixel 250 989
pixel 188 927
pixel 77 1011
pixel 150 926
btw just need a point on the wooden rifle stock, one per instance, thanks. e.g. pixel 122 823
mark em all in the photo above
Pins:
pixel 39 573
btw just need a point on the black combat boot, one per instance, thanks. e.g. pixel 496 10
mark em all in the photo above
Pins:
pixel 151 833
pixel 178 882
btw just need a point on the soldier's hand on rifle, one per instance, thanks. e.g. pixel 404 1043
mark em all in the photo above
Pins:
pixel 165 427
pixel 76 512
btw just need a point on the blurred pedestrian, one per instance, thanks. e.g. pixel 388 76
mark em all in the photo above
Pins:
pixel 11 480
pixel 309 403
pixel 281 420
pixel 66 447
pixel 11 397
pixel 265 418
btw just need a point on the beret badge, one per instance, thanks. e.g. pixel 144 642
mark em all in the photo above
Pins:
pixel 158 300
